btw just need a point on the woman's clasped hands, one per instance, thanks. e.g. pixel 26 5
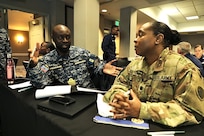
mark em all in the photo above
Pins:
pixel 124 107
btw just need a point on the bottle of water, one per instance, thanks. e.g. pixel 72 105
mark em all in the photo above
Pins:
pixel 10 69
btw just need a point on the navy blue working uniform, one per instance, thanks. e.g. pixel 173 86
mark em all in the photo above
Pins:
pixel 109 47
pixel 54 68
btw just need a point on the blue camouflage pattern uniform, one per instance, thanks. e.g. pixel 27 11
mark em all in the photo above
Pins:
pixel 171 90
pixel 80 65
pixel 4 49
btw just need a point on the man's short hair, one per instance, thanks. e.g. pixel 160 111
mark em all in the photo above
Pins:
pixel 49 45
pixel 185 47
pixel 198 45
pixel 113 26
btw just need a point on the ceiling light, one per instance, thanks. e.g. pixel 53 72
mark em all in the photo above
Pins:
pixel 192 17
pixel 104 10
pixel 171 11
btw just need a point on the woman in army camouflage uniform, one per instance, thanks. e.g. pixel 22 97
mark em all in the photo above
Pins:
pixel 164 86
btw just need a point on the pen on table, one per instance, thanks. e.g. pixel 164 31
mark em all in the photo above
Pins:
pixel 162 135
pixel 24 89
pixel 165 132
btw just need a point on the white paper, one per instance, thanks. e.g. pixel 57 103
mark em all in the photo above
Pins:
pixel 24 89
pixel 103 108
pixel 52 90
pixel 20 85
pixel 81 89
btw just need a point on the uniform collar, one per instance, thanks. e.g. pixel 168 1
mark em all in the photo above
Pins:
pixel 72 53
pixel 159 64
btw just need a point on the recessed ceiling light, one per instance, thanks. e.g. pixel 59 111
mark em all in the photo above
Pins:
pixel 104 10
pixel 192 17
pixel 170 11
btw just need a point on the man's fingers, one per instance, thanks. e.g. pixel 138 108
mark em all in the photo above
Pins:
pixel 119 68
pixel 112 61
pixel 38 45
pixel 36 50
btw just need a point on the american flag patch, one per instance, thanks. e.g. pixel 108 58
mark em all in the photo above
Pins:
pixel 44 68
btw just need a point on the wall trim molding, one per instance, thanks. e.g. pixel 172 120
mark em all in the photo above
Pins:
pixel 20 54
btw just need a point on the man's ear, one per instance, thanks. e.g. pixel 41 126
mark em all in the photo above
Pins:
pixel 159 38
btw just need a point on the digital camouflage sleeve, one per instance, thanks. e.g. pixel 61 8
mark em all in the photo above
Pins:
pixel 4 49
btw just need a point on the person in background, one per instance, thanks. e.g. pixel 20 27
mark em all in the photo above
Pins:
pixel 108 44
pixel 184 48
pixel 5 48
pixel 45 48
pixel 164 86
pixel 67 62
pixel 198 51
pixel 109 53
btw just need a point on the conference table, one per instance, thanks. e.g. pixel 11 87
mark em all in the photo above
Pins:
pixel 20 116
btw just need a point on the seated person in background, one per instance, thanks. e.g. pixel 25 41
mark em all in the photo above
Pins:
pixel 198 51
pixel 164 86
pixel 184 48
pixel 67 62
pixel 45 48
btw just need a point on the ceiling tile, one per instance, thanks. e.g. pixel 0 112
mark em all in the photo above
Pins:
pixel 183 4
pixel 184 7
pixel 178 18
pixel 189 11
pixel 198 2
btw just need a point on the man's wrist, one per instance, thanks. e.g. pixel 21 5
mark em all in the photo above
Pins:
pixel 32 64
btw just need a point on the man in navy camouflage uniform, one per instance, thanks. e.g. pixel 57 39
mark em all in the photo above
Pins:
pixel 66 62
pixel 4 49
pixel 164 86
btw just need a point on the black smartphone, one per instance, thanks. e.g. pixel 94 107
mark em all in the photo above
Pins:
pixel 63 100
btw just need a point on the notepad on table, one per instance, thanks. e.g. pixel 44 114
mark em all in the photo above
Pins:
pixel 105 117
pixel 121 122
